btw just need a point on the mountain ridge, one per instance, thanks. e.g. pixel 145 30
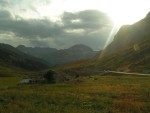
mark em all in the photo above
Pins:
pixel 10 56
pixel 128 35
pixel 54 56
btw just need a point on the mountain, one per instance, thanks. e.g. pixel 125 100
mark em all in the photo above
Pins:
pixel 36 51
pixel 129 35
pixel 130 49
pixel 54 56
pixel 11 57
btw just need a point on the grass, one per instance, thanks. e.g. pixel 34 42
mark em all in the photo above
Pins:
pixel 6 82
pixel 18 72
pixel 97 94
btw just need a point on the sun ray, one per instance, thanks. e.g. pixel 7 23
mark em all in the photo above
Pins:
pixel 110 38
pixel 111 35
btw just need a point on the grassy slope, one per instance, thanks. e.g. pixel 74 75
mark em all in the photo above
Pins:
pixel 97 94
pixel 81 68
pixel 131 59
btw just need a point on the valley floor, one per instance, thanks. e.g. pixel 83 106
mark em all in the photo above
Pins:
pixel 96 94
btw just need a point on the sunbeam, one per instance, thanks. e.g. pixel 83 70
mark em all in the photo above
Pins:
pixel 110 38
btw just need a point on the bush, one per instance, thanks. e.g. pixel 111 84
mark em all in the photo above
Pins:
pixel 49 76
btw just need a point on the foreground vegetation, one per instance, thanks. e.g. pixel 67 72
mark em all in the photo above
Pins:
pixel 95 94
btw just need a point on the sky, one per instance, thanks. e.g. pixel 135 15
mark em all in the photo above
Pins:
pixel 63 23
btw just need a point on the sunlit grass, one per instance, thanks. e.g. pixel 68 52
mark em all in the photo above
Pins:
pixel 97 94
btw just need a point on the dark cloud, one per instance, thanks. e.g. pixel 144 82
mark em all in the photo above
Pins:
pixel 88 19
pixel 88 27
pixel 5 15
pixel 28 28
pixel 39 43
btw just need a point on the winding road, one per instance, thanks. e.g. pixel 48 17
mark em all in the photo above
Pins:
pixel 118 72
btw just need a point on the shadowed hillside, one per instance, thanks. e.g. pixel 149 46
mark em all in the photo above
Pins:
pixel 11 57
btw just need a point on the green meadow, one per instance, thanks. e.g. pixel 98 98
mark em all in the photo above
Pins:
pixel 90 94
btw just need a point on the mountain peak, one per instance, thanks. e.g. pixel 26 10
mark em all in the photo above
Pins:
pixel 21 46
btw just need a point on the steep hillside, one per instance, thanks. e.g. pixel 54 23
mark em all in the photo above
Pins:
pixel 11 57
pixel 130 49
pixel 135 58
pixel 53 56
pixel 129 35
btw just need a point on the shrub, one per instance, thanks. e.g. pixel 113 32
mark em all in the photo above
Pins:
pixel 49 76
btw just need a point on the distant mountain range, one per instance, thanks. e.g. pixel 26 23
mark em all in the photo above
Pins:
pixel 12 57
pixel 54 56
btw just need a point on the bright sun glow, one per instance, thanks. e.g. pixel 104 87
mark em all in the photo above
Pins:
pixel 124 12
pixel 121 11
pixel 127 11
pixel 52 10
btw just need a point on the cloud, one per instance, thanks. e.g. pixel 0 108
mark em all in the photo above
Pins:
pixel 33 9
pixel 5 15
pixel 90 27
pixel 88 19
pixel 28 28
pixel 39 43
pixel 4 3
